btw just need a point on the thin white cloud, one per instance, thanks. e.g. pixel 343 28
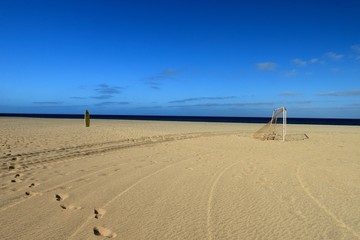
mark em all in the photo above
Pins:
pixel 291 73
pixel 347 93
pixel 356 48
pixel 226 105
pixel 47 103
pixel 201 98
pixel 303 63
pixel 111 103
pixel 314 60
pixel 334 56
pixel 106 89
pixel 78 98
pixel 290 94
pixel 335 69
pixel 101 97
pixel 300 62
pixel 301 102
pixel 240 104
pixel 154 82
pixel 266 66
pixel 356 51
pixel 169 71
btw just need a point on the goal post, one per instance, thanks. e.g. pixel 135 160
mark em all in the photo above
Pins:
pixel 284 123
pixel 276 113
pixel 271 130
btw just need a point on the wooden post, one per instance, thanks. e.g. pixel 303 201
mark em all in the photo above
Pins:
pixel 87 118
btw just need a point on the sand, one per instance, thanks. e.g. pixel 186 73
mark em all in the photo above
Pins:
pixel 176 180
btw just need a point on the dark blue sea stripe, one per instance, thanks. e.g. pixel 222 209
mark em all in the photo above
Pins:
pixel 316 121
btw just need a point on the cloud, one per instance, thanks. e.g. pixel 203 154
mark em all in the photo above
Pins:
pixel 290 94
pixel 169 72
pixel 111 103
pixel 79 98
pixel 201 98
pixel 334 56
pixel 226 105
pixel 335 69
pixel 102 97
pixel 356 48
pixel 150 107
pixel 303 63
pixel 105 89
pixel 160 77
pixel 314 60
pixel 106 92
pixel 239 104
pixel 266 66
pixel 300 102
pixel 154 82
pixel 154 85
pixel 300 62
pixel 48 103
pixel 347 93
pixel 291 73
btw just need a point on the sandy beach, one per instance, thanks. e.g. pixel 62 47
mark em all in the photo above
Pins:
pixel 176 180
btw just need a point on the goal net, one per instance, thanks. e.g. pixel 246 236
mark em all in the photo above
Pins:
pixel 275 129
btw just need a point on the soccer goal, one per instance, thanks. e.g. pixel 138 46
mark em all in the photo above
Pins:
pixel 275 129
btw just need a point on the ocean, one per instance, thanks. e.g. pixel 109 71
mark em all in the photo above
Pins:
pixel 316 121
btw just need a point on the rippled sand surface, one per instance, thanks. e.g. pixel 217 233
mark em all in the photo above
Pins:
pixel 176 180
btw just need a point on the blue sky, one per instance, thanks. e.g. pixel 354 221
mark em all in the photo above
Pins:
pixel 207 58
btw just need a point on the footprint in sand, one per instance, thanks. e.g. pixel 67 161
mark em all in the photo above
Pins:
pixel 101 231
pixel 13 166
pixel 99 212
pixel 16 180
pixel 61 196
pixel 70 207
pixel 29 193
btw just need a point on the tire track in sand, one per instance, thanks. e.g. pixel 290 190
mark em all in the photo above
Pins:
pixel 127 190
pixel 322 206
pixel 89 151
pixel 33 160
pixel 211 195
